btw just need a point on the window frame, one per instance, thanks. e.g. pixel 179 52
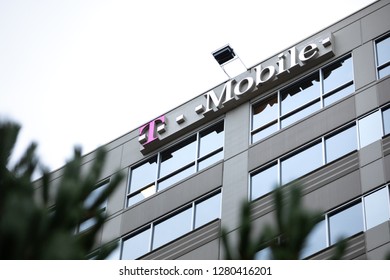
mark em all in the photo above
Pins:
pixel 385 64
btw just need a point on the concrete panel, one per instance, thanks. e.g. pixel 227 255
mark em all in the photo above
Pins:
pixel 370 153
pixel 235 189
pixel 131 153
pixel 382 89
pixel 347 38
pixel 380 253
pixel 386 167
pixel 209 251
pixel 171 198
pixel 116 202
pixel 378 236
pixel 334 193
pixel 111 229
pixel 376 23
pixel 372 175
pixel 302 132
pixel 364 65
pixel 237 130
pixel 366 101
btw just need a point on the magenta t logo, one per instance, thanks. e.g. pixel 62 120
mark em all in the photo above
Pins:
pixel 147 132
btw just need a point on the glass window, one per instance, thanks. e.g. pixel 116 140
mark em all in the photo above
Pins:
pixel 178 156
pixel 264 182
pixel 337 74
pixel 386 121
pixel 258 135
pixel 370 129
pixel 136 245
pixel 211 139
pixel 329 99
pixel 300 114
pixel 210 160
pixel 94 195
pixel 346 223
pixel 172 228
pixel 265 254
pixel 265 112
pixel 316 240
pixel 146 192
pixel 301 93
pixel 176 178
pixel 383 56
pixel 143 174
pixel 301 163
pixel 377 207
pixel 340 144
pixel 207 210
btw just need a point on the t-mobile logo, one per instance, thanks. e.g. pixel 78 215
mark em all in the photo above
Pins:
pixel 148 132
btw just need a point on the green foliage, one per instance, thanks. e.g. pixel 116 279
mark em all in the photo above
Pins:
pixel 29 227
pixel 286 239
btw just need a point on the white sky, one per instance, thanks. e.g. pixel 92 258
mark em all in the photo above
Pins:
pixel 85 72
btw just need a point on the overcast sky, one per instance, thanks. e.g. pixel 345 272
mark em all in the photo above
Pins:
pixel 85 72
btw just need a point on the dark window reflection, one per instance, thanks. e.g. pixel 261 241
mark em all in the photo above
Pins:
pixel 301 93
pixel 340 144
pixel 337 74
pixel 178 156
pixel 172 228
pixel 143 175
pixel 136 245
pixel 346 223
pixel 211 139
pixel 265 112
pixel 301 163
pixel 264 181
pixel 207 210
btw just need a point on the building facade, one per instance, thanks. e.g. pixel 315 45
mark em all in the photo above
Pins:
pixel 317 112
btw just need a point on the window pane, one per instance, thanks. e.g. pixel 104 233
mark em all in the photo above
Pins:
pixel 300 93
pixel 143 175
pixel 141 195
pixel 300 114
pixel 172 228
pixel 377 207
pixel 176 178
pixel 384 72
pixel 370 129
pixel 87 224
pixel 346 223
pixel 383 51
pixel 178 156
pixel 264 132
pixel 264 182
pixel 265 112
pixel 208 210
pixel 301 163
pixel 340 144
pixel 337 74
pixel 136 246
pixel 211 139
pixel 316 240
pixel 386 121
pixel 210 160
pixel 338 95
pixel 265 254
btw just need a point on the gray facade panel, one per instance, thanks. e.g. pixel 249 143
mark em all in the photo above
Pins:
pixel 235 189
pixel 366 101
pixel 376 23
pixel 364 65
pixel 237 130
pixel 171 198
pixel 209 251
pixel 372 175
pixel 379 253
pixel 111 229
pixel 347 38
pixel 378 236
pixel 370 153
pixel 383 90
